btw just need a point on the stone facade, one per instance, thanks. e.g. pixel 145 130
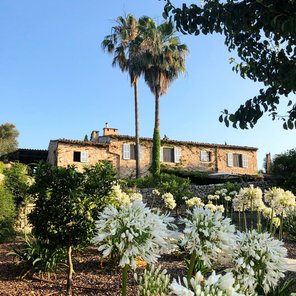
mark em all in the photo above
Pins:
pixel 61 153
pixel 190 156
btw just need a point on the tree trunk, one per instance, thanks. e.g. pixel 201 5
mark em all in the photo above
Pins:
pixel 137 150
pixel 70 272
pixel 156 137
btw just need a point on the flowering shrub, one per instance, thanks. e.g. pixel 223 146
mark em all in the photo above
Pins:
pixel 259 262
pixel 131 231
pixel 216 284
pixel 154 282
pixel 207 235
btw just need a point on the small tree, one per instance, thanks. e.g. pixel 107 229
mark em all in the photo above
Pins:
pixel 283 166
pixel 85 138
pixel 8 138
pixel 7 213
pixel 64 214
pixel 17 181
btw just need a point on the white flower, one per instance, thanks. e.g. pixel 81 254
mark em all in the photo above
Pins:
pixel 214 285
pixel 213 197
pixel 169 200
pixel 117 197
pixel 179 290
pixel 248 198
pixel 259 258
pixel 156 192
pixel 227 198
pixel 280 201
pixel 194 201
pixel 208 234
pixel 131 231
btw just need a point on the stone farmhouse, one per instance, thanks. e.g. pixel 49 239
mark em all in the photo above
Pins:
pixel 120 150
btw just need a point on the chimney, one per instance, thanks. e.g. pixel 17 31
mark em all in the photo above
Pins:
pixel 108 131
pixel 267 163
pixel 94 136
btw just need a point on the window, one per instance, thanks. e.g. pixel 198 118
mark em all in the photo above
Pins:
pixel 129 151
pixel 237 160
pixel 205 155
pixel 170 154
pixel 79 156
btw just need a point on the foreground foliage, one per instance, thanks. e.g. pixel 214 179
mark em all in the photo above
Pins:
pixel 65 208
pixel 7 214
pixel 36 257
pixel 263 35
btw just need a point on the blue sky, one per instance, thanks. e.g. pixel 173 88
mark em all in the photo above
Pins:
pixel 56 82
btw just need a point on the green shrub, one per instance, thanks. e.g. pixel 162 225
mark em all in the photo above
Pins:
pixel 197 178
pixel 177 186
pixel 283 167
pixel 7 214
pixel 35 257
pixel 98 181
pixel 290 225
pixel 17 181
pixel 147 181
pixel 2 167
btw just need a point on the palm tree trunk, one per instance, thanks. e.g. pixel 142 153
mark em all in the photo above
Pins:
pixel 138 172
pixel 156 136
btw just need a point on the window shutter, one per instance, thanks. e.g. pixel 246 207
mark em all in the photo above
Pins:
pixel 177 154
pixel 202 155
pixel 84 156
pixel 126 151
pixel 141 153
pixel 245 161
pixel 161 154
pixel 230 159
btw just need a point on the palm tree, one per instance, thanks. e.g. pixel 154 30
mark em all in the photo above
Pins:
pixel 120 43
pixel 164 60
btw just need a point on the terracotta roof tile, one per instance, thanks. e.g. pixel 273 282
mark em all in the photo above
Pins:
pixel 169 141
pixel 83 143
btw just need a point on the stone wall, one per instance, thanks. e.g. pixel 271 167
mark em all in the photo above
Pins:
pixel 61 154
pixel 203 191
pixel 189 159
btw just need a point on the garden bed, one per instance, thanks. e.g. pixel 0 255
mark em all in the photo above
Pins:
pixel 90 277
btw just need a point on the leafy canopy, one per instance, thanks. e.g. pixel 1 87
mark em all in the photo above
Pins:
pixel 263 34
pixel 283 166
pixel 8 138
pixel 67 202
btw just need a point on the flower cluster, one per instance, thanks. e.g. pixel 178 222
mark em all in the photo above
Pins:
pixel 213 197
pixel 259 260
pixel 213 208
pixel 279 200
pixel 194 202
pixel 208 234
pixel 154 281
pixel 169 200
pixel 117 197
pixel 131 231
pixel 248 198
pixel 215 284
